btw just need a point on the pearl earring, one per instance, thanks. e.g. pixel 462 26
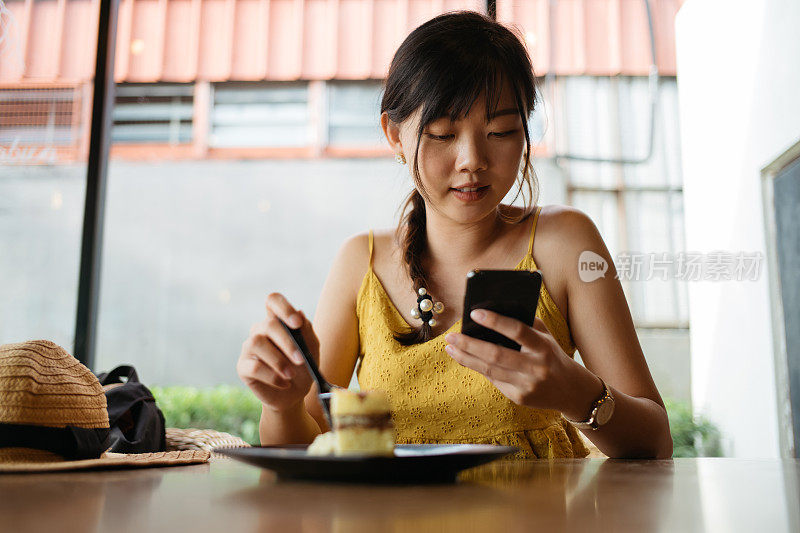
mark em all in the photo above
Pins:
pixel 400 158
pixel 426 307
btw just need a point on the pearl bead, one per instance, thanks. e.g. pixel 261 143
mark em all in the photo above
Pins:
pixel 426 305
pixel 438 307
pixel 432 322
pixel 415 312
pixel 422 291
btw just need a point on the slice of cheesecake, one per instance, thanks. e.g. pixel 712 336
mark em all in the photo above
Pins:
pixel 362 425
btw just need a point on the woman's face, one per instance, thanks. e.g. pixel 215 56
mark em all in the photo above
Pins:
pixel 468 153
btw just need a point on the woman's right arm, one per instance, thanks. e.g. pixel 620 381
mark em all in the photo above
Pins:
pixel 290 409
pixel 336 321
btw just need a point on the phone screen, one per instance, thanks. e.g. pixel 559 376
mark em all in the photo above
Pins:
pixel 512 293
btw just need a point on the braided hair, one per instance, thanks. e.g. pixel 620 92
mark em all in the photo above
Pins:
pixel 442 67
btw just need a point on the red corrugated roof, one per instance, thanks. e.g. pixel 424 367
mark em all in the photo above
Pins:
pixel 595 37
pixel 219 40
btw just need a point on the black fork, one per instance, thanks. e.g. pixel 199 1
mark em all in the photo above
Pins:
pixel 325 389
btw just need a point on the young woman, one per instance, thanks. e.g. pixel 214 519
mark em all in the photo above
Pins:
pixel 456 103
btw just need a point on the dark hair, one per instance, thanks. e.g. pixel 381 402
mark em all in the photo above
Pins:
pixel 443 66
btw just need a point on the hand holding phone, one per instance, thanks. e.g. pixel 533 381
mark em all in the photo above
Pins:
pixel 513 293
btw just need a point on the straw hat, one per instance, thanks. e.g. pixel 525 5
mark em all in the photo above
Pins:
pixel 53 415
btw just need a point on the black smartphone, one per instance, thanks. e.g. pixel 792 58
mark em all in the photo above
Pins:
pixel 513 293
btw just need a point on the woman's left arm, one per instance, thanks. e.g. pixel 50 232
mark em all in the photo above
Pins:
pixel 541 375
pixel 602 329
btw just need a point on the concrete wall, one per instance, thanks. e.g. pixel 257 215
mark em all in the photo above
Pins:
pixel 738 82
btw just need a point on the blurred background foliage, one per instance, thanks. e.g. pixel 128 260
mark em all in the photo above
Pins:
pixel 236 411
pixel 691 436
pixel 225 408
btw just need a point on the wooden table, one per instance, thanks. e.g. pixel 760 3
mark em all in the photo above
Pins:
pixel 681 495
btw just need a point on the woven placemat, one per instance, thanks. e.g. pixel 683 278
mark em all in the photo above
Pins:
pixel 201 439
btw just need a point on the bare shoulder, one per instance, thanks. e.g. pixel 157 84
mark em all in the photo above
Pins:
pixel 566 233
pixel 562 233
pixel 351 263
pixel 568 225
pixel 352 260
pixel 385 243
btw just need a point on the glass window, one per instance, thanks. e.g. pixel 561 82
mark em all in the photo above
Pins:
pixel 260 114
pixel 354 113
pixel 42 184
pixel 42 117
pixel 150 112
pixel 636 207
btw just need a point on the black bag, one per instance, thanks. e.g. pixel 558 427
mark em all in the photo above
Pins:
pixel 137 424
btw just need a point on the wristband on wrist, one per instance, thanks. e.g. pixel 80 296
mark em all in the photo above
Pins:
pixel 600 413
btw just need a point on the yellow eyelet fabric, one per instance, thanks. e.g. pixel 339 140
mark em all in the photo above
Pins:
pixel 436 400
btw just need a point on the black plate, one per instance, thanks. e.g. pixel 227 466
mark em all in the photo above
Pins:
pixel 412 463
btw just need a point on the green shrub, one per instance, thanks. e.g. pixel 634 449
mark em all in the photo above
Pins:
pixel 236 411
pixel 691 436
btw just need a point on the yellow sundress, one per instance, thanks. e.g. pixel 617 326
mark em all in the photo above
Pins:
pixel 436 400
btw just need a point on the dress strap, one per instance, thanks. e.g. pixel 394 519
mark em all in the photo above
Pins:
pixel 533 230
pixel 370 249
